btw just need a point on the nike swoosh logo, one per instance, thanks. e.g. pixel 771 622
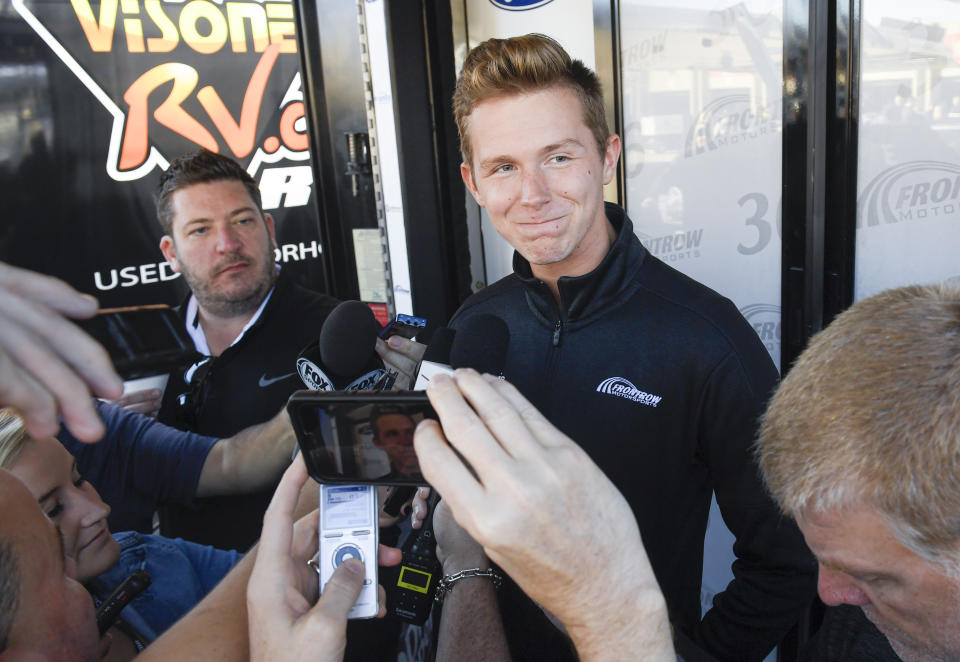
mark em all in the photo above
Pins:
pixel 265 382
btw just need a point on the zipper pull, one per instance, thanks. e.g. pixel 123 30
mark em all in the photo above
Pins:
pixel 556 334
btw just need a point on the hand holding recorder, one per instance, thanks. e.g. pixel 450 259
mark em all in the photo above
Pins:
pixel 283 622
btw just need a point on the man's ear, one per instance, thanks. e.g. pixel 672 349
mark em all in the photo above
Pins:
pixel 611 155
pixel 466 174
pixel 169 250
pixel 271 230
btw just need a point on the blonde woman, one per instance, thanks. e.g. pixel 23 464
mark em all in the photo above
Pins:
pixel 182 572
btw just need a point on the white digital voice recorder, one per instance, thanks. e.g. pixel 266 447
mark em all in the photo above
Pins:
pixel 349 529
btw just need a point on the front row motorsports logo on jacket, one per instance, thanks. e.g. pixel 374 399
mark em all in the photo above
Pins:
pixel 623 388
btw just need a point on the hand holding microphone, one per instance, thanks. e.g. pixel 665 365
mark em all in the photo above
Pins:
pixel 436 358
pixel 348 354
pixel 402 356
pixel 480 343
pixel 343 358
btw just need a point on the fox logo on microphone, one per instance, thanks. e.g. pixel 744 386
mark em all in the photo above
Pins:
pixel 312 376
pixel 366 382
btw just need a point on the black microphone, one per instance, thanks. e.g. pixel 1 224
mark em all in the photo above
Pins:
pixel 345 358
pixel 481 343
pixel 438 351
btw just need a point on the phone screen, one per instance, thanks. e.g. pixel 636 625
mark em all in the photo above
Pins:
pixel 360 437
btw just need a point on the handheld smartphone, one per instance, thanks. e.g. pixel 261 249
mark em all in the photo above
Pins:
pixel 142 340
pixel 349 529
pixel 359 437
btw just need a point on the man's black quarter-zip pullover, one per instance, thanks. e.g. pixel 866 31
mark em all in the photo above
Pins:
pixel 662 381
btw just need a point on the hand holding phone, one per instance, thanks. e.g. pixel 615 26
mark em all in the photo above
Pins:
pixel 513 450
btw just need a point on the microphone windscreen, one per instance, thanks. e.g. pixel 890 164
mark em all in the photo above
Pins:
pixel 438 351
pixel 481 343
pixel 348 338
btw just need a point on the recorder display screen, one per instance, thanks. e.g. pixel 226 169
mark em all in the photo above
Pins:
pixel 346 508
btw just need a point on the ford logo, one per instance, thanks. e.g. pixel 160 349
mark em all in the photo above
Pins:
pixel 519 5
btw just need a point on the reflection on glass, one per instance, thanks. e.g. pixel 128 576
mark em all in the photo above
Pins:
pixel 909 145
pixel 702 127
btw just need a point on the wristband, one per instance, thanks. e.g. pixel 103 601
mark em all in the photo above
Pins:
pixel 445 585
